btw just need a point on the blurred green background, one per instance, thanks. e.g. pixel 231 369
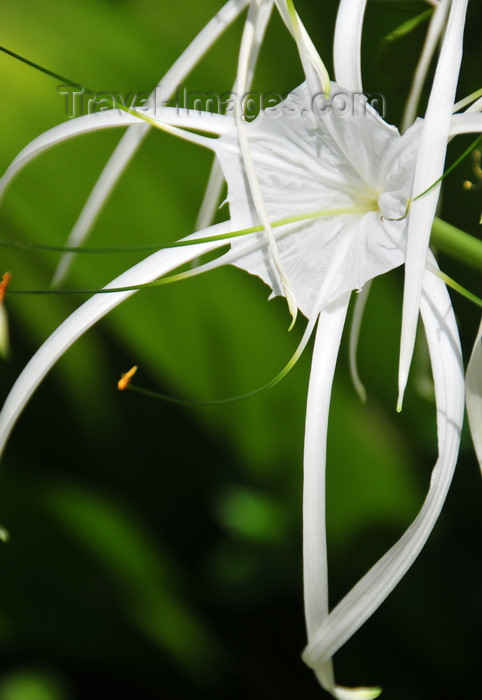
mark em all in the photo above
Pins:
pixel 155 550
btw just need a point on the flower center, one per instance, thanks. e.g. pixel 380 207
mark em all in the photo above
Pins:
pixel 368 198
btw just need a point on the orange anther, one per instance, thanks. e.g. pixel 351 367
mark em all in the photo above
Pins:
pixel 4 284
pixel 125 379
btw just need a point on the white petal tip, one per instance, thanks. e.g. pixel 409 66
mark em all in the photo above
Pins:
pixel 474 395
pixel 361 392
pixel 341 693
pixel 293 311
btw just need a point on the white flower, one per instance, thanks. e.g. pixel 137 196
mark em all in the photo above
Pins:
pixel 311 156
pixel 330 191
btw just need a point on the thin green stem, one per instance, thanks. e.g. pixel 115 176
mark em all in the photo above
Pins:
pixel 40 68
pixel 457 162
pixel 215 402
pixel 456 286
pixel 113 103
pixel 176 244
pixel 232 399
pixel 408 26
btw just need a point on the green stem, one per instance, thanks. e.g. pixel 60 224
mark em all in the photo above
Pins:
pixel 460 245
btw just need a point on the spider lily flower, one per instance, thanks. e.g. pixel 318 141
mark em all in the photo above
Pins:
pixel 343 183
pixel 335 187
pixel 257 21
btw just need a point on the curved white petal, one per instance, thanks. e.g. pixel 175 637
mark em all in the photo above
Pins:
pixel 445 353
pixel 429 168
pixel 89 313
pixel 315 567
pixel 355 693
pixel 249 44
pixel 167 118
pixel 216 177
pixel 473 391
pixel 435 29
pixel 191 56
pixel 316 74
pixel 360 303
pixel 347 44
pixel 258 17
pixel 468 123
pixel 132 139
pixel 212 195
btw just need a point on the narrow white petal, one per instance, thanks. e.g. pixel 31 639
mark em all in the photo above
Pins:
pixel 111 173
pixel 360 603
pixel 89 313
pixel 356 693
pixel 216 177
pixel 315 577
pixel 429 168
pixel 258 19
pixel 347 44
pixel 360 303
pixel 473 391
pixel 249 44
pixel 187 61
pixel 211 197
pixel 476 106
pixel 167 118
pixel 470 103
pixel 134 136
pixel 435 29
pixel 316 74
pixel 466 124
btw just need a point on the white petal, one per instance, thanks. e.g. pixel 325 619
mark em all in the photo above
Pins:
pixel 216 177
pixel 249 44
pixel 435 29
pixel 258 17
pixel 315 577
pixel 316 74
pixel 474 394
pixel 347 44
pixel 134 136
pixel 429 168
pixel 186 62
pixel 356 693
pixel 89 313
pixel 465 124
pixel 167 116
pixel 360 603
pixel 360 303
pixel 212 195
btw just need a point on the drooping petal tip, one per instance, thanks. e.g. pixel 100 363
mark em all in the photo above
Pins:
pixel 473 394
pixel 341 693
